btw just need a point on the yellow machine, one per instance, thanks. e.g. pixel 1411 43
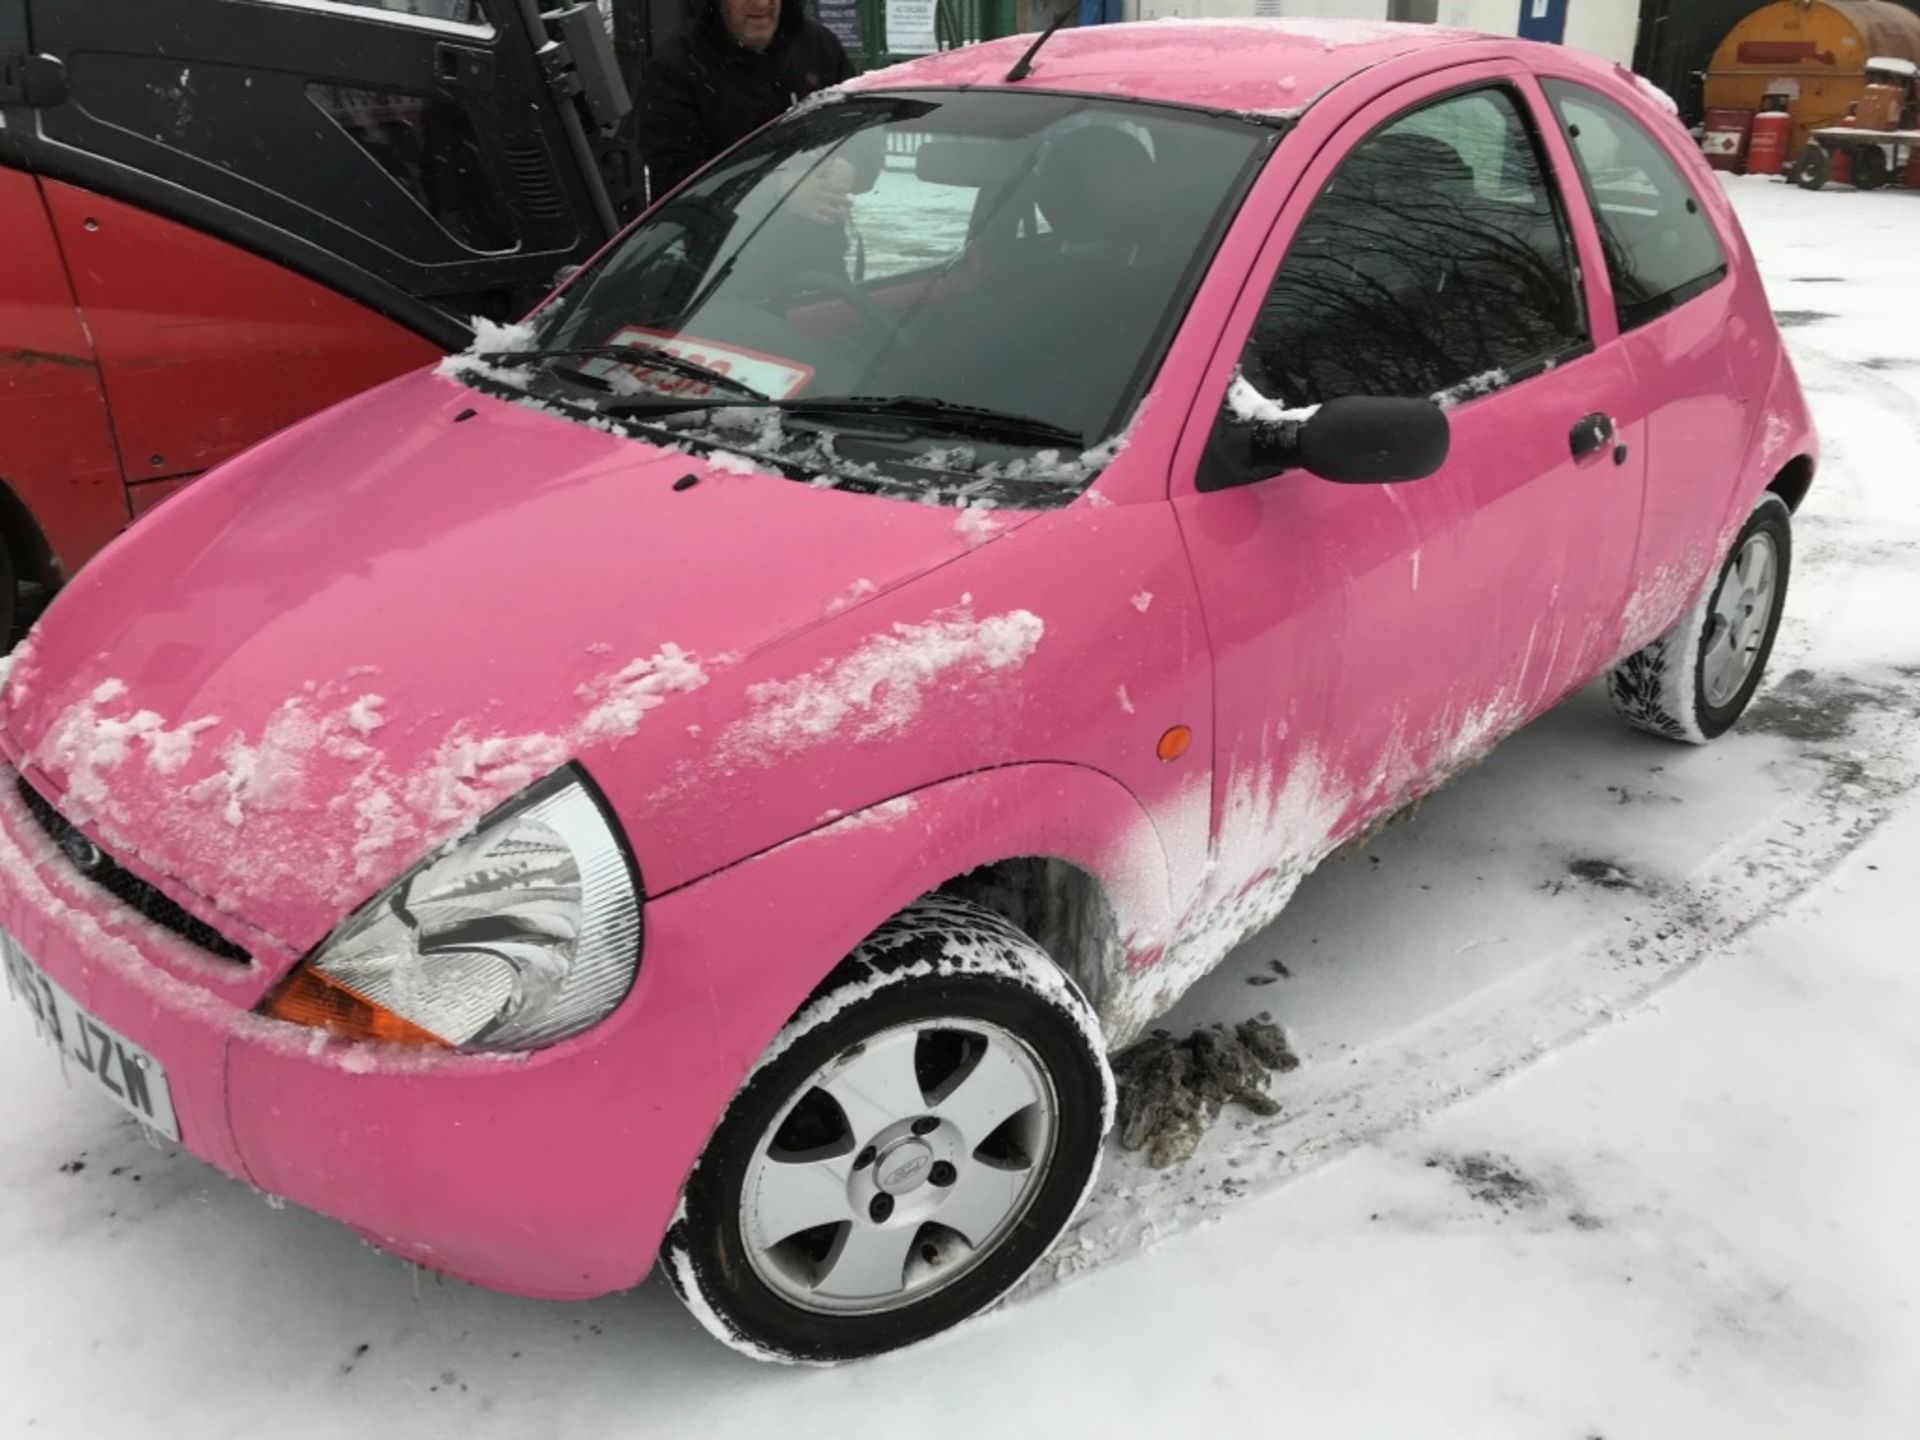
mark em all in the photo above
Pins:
pixel 1814 52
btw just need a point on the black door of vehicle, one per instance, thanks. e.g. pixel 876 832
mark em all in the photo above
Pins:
pixel 403 151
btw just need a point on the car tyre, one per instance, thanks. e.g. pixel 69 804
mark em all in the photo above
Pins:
pixel 1813 169
pixel 1871 169
pixel 912 1142
pixel 1694 682
pixel 10 607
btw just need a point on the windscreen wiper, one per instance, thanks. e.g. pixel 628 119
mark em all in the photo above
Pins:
pixel 656 356
pixel 943 415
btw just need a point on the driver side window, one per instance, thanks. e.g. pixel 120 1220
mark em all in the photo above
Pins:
pixel 1436 262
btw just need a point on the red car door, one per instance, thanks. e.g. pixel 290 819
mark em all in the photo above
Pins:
pixel 1370 639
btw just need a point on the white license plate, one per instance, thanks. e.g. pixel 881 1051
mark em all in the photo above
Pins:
pixel 116 1064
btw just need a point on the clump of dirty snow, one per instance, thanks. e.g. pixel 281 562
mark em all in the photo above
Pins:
pixel 86 745
pixel 878 688
pixel 1663 597
pixel 1472 388
pixel 236 816
pixel 1274 828
pixel 1249 406
pixel 492 338
pixel 364 714
pixel 975 525
pixel 1652 91
pixel 1172 1090
pixel 620 699
pixel 1491 1179
pixel 731 463
pixel 856 592
pixel 887 812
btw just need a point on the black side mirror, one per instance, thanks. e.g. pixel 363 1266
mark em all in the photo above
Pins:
pixel 1362 440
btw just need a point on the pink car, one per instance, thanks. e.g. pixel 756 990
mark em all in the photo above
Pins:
pixel 713 774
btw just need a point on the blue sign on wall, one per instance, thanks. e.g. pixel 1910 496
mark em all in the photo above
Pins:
pixel 1543 20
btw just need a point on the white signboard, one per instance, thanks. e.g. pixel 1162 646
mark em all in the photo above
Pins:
pixel 910 27
pixel 1266 9
pixel 768 374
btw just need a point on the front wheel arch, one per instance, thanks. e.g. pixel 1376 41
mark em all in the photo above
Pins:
pixel 942 963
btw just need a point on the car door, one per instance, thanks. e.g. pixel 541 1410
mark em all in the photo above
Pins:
pixel 399 150
pixel 1370 639
pixel 1673 305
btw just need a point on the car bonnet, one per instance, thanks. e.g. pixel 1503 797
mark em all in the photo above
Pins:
pixel 290 681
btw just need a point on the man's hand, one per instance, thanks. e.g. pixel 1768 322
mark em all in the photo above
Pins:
pixel 825 194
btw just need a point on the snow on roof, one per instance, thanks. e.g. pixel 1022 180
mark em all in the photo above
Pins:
pixel 1218 63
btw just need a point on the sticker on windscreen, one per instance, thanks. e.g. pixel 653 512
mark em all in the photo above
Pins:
pixel 771 376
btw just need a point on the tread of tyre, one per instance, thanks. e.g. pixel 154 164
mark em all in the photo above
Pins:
pixel 1659 688
pixel 939 957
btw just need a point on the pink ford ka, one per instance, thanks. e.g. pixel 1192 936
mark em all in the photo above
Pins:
pixel 712 774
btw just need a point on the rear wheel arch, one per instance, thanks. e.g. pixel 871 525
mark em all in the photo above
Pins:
pixel 1794 481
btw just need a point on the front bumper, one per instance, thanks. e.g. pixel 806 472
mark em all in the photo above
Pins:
pixel 551 1174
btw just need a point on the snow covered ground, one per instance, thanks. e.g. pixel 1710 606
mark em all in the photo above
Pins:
pixel 1605 1127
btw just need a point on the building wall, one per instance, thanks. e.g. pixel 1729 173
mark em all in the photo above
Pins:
pixel 1605 27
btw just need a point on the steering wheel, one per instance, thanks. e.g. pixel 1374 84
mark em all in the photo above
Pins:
pixel 883 320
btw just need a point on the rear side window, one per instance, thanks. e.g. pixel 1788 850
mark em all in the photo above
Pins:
pixel 1660 246
pixel 1436 259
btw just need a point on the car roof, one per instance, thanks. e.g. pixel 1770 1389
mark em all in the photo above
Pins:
pixel 1265 67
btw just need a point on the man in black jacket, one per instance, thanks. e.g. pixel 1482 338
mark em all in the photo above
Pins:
pixel 740 63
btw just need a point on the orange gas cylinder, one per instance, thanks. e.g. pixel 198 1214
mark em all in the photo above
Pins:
pixel 1724 137
pixel 1767 149
pixel 1842 161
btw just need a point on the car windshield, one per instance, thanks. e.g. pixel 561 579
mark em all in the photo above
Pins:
pixel 924 293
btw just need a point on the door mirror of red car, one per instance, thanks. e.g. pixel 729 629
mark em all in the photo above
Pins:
pixel 1362 440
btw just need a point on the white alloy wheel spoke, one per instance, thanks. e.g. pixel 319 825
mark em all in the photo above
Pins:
pixel 796 1195
pixel 1760 580
pixel 914 1141
pixel 878 1086
pixel 1741 612
pixel 868 1263
pixel 996 1087
pixel 1722 667
pixel 982 1197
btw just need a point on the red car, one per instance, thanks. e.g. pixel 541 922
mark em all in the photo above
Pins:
pixel 220 217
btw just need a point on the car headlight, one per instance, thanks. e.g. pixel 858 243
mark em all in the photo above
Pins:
pixel 522 933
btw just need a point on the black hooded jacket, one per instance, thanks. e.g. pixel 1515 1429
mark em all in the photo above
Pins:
pixel 704 90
